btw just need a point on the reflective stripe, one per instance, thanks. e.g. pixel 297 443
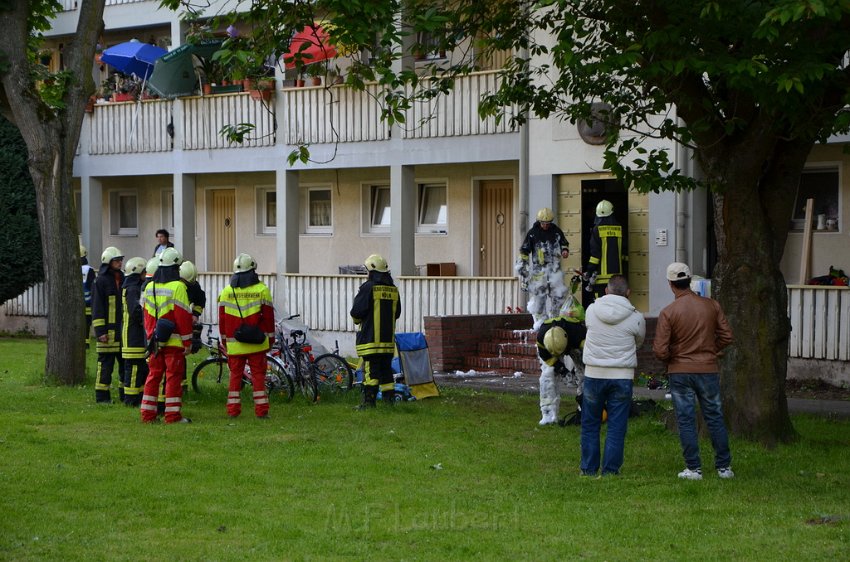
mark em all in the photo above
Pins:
pixel 146 406
pixel 259 393
pixel 388 386
pixel 172 408
pixel 234 401
pixel 261 400
pixel 233 393
pixel 172 400
pixel 149 398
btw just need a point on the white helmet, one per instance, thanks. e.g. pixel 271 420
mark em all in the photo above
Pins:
pixel 604 208
pixel 545 215
pixel 135 265
pixel 152 266
pixel 83 251
pixel 170 257
pixel 111 253
pixel 243 262
pixel 555 341
pixel 188 271
pixel 376 262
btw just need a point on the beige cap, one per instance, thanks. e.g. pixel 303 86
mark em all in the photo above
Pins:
pixel 677 271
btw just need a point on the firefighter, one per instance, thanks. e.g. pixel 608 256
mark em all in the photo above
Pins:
pixel 89 275
pixel 133 332
pixel 539 267
pixel 607 249
pixel 168 326
pixel 557 337
pixel 375 310
pixel 197 300
pixel 246 324
pixel 107 314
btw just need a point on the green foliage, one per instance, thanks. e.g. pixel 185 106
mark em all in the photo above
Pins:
pixel 238 133
pixel 467 476
pixel 20 246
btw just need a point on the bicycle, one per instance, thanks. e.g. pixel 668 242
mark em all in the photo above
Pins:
pixel 333 373
pixel 296 356
pixel 212 375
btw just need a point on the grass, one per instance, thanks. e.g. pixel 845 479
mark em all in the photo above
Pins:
pixel 465 476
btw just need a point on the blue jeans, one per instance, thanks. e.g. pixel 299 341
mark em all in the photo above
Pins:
pixel 615 396
pixel 686 389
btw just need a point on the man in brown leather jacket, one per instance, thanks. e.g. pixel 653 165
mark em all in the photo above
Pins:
pixel 690 335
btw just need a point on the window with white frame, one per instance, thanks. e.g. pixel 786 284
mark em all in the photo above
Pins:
pixel 319 210
pixel 822 185
pixel 168 210
pixel 123 213
pixel 266 210
pixel 379 205
pixel 433 208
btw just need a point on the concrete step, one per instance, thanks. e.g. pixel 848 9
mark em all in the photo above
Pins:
pixel 503 349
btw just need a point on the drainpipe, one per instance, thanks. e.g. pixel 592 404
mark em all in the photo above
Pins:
pixel 682 207
pixel 522 223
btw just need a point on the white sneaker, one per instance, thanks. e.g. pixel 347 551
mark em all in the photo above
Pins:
pixel 725 472
pixel 689 474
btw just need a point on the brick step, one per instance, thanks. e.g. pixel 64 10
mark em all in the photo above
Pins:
pixel 501 349
pixel 518 336
pixel 506 364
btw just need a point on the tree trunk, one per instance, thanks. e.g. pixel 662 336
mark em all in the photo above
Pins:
pixel 753 368
pixel 66 356
pixel 51 135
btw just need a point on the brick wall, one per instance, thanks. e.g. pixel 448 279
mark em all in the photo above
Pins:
pixel 451 339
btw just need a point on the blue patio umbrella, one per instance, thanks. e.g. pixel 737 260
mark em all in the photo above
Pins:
pixel 133 57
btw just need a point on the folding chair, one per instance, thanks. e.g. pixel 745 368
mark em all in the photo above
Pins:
pixel 416 364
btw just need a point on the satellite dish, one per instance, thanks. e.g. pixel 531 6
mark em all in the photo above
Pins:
pixel 593 131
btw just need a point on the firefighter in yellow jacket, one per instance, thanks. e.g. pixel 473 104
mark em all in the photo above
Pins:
pixel 168 325
pixel 246 324
pixel 106 320
pixel 608 253
pixel 375 310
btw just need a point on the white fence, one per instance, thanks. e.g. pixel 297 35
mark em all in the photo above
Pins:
pixel 336 114
pixel 127 127
pixel 323 301
pixel 203 118
pixel 820 322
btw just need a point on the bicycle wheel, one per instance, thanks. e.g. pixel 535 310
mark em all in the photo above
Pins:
pixel 333 373
pixel 307 377
pixel 211 377
pixel 278 382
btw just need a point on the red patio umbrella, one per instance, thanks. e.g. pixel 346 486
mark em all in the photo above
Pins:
pixel 311 44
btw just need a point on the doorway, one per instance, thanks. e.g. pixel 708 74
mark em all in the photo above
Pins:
pixel 592 192
pixel 221 229
pixel 495 228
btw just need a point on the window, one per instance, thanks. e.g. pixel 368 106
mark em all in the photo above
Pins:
pixel 168 210
pixel 266 210
pixel 380 208
pixel 123 213
pixel 428 47
pixel 319 210
pixel 433 209
pixel 820 184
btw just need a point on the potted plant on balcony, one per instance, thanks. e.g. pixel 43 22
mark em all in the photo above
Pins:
pixel 315 71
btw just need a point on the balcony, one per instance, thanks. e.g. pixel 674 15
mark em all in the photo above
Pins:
pixel 298 116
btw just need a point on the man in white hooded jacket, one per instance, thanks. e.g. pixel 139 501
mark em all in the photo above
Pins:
pixel 615 331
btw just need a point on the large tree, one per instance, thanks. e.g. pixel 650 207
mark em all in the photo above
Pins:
pixel 749 87
pixel 48 110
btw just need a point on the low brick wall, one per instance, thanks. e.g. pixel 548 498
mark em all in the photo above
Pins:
pixel 452 338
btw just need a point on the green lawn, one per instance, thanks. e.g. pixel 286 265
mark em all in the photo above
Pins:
pixel 465 476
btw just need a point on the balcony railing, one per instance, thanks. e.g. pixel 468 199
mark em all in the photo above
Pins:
pixel 127 127
pixel 203 118
pixel 820 322
pixel 337 114
pixel 308 115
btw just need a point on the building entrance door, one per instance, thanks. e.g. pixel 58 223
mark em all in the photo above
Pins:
pixel 221 229
pixel 495 228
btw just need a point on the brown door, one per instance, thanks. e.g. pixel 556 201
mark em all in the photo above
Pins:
pixel 496 226
pixel 222 229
